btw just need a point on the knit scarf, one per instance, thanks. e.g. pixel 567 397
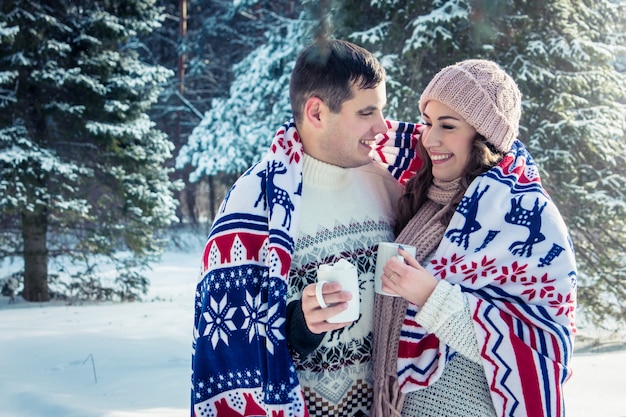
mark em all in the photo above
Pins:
pixel 509 250
pixel 424 231
pixel 241 361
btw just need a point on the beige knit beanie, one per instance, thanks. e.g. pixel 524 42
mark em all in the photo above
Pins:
pixel 483 94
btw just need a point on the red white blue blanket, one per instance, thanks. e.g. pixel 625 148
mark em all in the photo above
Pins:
pixel 241 362
pixel 521 292
pixel 509 250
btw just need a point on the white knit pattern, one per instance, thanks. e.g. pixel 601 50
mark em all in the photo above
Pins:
pixel 462 391
pixel 447 315
pixel 344 214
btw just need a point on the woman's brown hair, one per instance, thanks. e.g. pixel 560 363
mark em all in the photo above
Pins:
pixel 483 157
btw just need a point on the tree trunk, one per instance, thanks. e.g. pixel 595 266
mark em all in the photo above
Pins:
pixel 213 203
pixel 34 233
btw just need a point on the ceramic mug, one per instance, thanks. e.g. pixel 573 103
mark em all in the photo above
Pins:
pixel 385 251
pixel 346 274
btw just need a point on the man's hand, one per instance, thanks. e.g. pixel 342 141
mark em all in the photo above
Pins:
pixel 315 316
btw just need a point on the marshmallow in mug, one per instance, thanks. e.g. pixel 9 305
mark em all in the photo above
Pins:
pixel 346 274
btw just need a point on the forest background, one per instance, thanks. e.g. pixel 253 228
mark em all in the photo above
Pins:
pixel 124 122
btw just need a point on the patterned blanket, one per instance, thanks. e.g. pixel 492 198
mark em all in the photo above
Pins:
pixel 513 258
pixel 509 250
pixel 241 362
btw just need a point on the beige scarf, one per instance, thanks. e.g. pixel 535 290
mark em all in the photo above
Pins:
pixel 424 231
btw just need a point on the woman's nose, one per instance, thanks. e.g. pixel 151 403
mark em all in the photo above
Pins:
pixel 429 138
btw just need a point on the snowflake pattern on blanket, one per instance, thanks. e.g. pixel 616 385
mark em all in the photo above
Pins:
pixel 241 363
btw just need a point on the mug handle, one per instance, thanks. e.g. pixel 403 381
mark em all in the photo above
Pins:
pixel 318 293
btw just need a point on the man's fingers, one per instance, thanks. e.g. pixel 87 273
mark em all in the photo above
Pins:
pixel 316 320
pixel 329 287
pixel 331 293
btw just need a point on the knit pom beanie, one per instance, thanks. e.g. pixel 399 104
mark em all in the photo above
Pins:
pixel 483 94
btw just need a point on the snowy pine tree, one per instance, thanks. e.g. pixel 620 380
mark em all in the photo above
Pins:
pixel 81 166
pixel 566 56
pixel 413 39
pixel 563 53
pixel 237 130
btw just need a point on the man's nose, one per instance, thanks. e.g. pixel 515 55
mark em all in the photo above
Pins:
pixel 380 126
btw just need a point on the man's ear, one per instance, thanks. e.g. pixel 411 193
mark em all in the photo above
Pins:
pixel 313 111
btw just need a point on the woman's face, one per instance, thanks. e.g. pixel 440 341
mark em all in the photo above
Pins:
pixel 448 140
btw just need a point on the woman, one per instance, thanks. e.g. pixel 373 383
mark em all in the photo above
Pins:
pixel 485 322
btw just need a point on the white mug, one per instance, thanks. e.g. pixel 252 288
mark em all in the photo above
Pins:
pixel 346 274
pixel 385 251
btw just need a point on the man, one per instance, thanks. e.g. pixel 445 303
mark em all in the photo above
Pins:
pixel 315 198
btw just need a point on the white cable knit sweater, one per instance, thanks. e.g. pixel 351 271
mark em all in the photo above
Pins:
pixel 462 390
pixel 344 214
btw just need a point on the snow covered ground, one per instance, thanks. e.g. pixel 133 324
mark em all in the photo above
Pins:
pixel 133 359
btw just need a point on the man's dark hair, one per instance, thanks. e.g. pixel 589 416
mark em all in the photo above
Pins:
pixel 327 69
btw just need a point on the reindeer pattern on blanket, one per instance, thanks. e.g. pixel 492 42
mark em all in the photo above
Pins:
pixel 509 250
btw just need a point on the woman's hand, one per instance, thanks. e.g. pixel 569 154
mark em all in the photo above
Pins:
pixel 408 279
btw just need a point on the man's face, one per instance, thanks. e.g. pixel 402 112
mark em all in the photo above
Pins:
pixel 346 137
